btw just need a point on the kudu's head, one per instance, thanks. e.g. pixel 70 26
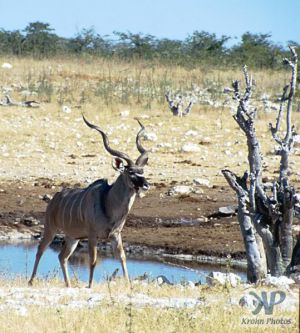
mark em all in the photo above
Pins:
pixel 132 172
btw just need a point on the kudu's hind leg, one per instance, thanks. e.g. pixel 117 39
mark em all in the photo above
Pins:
pixel 65 253
pixel 93 259
pixel 119 252
pixel 45 242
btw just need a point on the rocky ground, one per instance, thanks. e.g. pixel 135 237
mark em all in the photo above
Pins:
pixel 21 300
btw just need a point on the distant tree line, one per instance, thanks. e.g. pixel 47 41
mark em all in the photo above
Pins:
pixel 200 48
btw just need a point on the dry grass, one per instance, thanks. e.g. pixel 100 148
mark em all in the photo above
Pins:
pixel 219 311
pixel 48 143
pixel 109 83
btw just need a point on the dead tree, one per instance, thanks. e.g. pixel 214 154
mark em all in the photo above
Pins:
pixel 177 108
pixel 266 215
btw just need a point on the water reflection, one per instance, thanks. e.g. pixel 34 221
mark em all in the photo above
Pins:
pixel 17 259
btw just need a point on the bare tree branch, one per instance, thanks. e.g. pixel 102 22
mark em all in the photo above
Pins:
pixel 177 109
pixel 275 130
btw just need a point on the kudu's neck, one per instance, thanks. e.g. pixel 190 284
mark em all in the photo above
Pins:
pixel 119 199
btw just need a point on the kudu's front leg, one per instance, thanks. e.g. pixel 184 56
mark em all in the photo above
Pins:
pixel 119 252
pixel 93 258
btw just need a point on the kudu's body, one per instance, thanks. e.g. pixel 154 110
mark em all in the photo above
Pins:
pixel 97 212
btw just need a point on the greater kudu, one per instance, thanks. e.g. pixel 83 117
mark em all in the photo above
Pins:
pixel 97 212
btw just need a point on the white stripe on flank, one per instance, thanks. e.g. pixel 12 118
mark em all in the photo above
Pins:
pixel 80 204
pixel 71 208
pixel 63 214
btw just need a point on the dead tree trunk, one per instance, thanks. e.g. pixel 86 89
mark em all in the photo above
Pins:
pixel 256 268
pixel 268 215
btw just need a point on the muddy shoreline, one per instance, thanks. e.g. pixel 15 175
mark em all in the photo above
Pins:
pixel 177 225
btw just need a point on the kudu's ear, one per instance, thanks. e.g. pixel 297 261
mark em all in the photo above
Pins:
pixel 118 164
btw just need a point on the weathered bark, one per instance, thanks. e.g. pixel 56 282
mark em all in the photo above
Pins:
pixel 296 254
pixel 272 250
pixel 256 268
pixel 270 216
pixel 286 234
pixel 262 253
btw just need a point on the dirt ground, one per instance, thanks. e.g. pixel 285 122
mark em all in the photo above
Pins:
pixel 187 224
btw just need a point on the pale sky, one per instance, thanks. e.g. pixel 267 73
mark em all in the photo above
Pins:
pixel 174 19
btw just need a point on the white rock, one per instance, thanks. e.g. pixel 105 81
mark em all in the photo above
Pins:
pixel 219 278
pixel 202 219
pixel 228 210
pixel 201 181
pixel 66 109
pixel 191 133
pixel 22 311
pixel 150 136
pixel 164 145
pixel 206 140
pixel 7 65
pixel 180 189
pixel 13 235
pixel 124 113
pixel 198 191
pixel 190 147
pixel 280 281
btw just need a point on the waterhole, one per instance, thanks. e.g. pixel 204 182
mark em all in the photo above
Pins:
pixel 17 259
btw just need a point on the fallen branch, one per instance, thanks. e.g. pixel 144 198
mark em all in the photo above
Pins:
pixel 7 101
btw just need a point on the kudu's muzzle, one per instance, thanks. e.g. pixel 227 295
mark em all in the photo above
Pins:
pixel 146 186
